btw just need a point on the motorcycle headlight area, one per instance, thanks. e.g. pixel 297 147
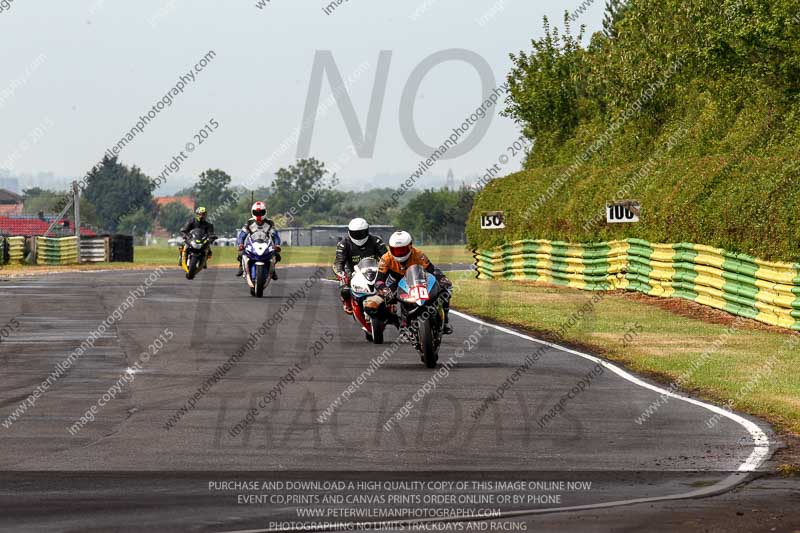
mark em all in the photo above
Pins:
pixel 361 290
pixel 260 247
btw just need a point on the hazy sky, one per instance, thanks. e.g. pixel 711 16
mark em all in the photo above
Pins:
pixel 77 75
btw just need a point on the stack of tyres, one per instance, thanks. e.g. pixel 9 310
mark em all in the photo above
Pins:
pixel 121 248
pixel 56 250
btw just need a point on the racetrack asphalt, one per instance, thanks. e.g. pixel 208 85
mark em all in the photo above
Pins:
pixel 128 470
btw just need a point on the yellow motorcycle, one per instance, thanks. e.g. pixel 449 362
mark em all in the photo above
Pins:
pixel 195 252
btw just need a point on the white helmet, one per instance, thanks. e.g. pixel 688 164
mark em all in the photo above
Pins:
pixel 358 229
pixel 400 245
pixel 259 211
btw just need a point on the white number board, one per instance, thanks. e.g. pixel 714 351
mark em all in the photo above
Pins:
pixel 623 212
pixel 493 220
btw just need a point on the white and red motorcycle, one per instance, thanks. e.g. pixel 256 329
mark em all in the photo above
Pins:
pixel 362 286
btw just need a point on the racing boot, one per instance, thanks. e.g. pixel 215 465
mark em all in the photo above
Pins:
pixel 277 260
pixel 240 272
pixel 447 329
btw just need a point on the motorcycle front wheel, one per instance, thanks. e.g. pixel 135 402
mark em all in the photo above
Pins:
pixel 192 266
pixel 261 280
pixel 377 331
pixel 427 345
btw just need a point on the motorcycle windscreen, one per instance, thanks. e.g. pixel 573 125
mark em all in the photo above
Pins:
pixel 369 268
pixel 197 237
pixel 259 236
pixel 414 287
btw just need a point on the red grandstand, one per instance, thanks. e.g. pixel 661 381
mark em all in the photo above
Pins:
pixel 29 225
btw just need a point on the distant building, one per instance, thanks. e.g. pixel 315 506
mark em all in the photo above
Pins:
pixel 10 203
pixel 451 180
pixel 10 184
pixel 187 201
pixel 161 201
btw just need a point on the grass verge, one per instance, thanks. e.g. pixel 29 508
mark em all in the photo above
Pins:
pixel 225 256
pixel 751 369
pixel 291 255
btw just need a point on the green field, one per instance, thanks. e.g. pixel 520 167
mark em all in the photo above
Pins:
pixel 226 255
pixel 291 255
pixel 753 369
pixel 145 256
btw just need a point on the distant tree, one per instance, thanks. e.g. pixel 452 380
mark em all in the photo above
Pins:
pixel 305 195
pixel 116 191
pixel 33 192
pixel 89 214
pixel 186 191
pixel 547 89
pixel 615 10
pixel 213 189
pixel 37 199
pixel 139 222
pixel 437 216
pixel 173 216
pixel 228 221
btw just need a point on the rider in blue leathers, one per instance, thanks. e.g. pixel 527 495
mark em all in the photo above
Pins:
pixel 258 222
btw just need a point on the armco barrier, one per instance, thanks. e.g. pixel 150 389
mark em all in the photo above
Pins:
pixel 765 291
pixel 56 251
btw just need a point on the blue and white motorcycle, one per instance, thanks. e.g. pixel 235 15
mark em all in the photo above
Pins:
pixel 258 261
pixel 422 309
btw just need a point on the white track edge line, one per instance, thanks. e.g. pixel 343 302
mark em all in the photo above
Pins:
pixel 758 457
pixel 760 440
